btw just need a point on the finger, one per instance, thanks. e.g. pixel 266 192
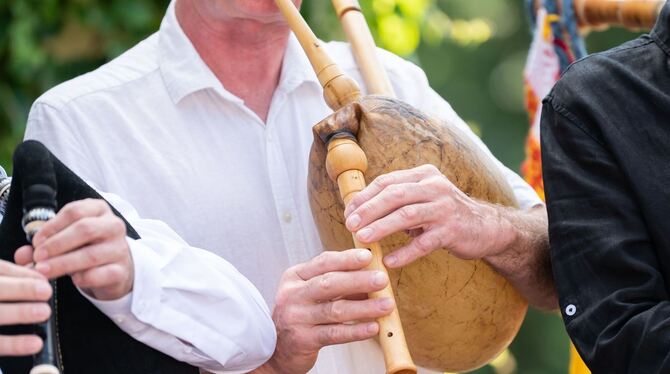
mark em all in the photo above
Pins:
pixel 81 259
pixel 23 313
pixel 341 334
pixel 13 270
pixel 104 276
pixel 380 183
pixel 347 311
pixel 417 248
pixel 335 285
pixel 24 255
pixel 20 345
pixel 385 202
pixel 405 218
pixel 85 231
pixel 70 214
pixel 328 261
pixel 24 289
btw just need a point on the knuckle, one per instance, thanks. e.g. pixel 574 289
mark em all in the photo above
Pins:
pixel 383 180
pixel 429 169
pixel 425 244
pixel 117 226
pixel 73 211
pixel 283 296
pixel 86 228
pixel 325 282
pixel 329 335
pixel 102 205
pixel 322 260
pixel 396 193
pixel 116 273
pixel 336 311
pixel 92 257
pixel 409 213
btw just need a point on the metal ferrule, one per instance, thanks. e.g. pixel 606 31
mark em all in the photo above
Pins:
pixel 5 185
pixel 28 223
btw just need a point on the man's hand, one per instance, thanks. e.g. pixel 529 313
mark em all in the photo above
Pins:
pixel 314 308
pixel 424 203
pixel 88 242
pixel 23 296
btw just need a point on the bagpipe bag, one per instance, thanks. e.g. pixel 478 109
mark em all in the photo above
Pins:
pixel 88 341
pixel 457 314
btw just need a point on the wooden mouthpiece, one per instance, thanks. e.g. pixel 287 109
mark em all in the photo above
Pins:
pixel 346 162
pixel 338 89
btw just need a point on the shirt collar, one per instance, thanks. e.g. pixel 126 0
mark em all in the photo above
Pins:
pixel 184 72
pixel 661 33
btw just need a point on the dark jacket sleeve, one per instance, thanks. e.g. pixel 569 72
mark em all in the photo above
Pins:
pixel 610 284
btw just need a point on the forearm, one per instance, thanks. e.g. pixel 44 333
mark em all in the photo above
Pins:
pixel 523 255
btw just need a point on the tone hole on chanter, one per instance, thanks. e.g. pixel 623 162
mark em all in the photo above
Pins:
pixel 390 334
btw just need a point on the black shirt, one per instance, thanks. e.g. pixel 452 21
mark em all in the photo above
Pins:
pixel 606 156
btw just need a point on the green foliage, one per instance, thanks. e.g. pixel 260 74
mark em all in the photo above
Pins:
pixel 44 42
pixel 472 51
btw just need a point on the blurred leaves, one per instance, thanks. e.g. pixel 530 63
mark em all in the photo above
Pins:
pixel 44 42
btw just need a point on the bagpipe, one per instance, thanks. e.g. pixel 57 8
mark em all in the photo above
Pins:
pixel 78 338
pixel 452 314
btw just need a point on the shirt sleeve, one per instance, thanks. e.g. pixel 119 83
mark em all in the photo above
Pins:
pixel 186 302
pixel 415 90
pixel 612 295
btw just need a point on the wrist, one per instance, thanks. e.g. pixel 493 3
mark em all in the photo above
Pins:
pixel 503 235
pixel 272 366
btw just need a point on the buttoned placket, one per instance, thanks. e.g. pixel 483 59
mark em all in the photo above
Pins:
pixel 285 204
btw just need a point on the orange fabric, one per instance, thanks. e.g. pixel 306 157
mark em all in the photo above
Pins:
pixel 577 366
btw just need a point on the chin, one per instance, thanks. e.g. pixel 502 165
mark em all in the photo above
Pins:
pixel 261 9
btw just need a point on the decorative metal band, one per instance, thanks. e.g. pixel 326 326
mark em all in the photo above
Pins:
pixel 33 216
pixel 5 185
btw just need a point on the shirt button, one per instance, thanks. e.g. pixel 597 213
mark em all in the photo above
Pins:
pixel 570 310
pixel 288 217
pixel 119 319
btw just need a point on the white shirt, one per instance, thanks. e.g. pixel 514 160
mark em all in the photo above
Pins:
pixel 157 128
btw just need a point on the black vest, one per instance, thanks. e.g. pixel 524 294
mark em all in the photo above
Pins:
pixel 88 341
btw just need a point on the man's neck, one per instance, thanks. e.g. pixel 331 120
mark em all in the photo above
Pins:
pixel 245 55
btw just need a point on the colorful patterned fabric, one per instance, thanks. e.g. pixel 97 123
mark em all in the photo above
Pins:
pixel 556 44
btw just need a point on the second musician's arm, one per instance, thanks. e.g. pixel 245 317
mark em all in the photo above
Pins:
pixel 185 302
pixel 514 241
pixel 423 202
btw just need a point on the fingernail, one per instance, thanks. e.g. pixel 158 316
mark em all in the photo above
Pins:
pixel 353 222
pixel 40 255
pixel 371 327
pixel 379 279
pixel 42 267
pixel 42 290
pixel 390 261
pixel 363 255
pixel 386 303
pixel 364 234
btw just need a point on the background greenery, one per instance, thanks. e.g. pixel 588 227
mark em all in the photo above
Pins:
pixel 473 52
